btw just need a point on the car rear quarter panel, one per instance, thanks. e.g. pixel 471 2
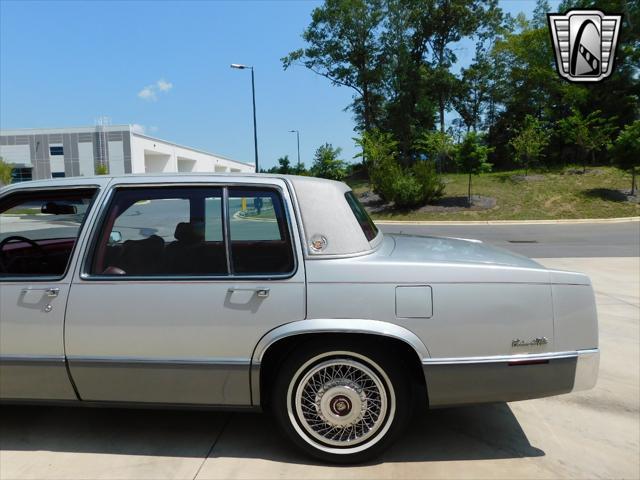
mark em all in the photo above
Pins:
pixel 475 311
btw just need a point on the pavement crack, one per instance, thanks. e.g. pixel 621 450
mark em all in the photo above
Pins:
pixel 213 445
pixel 617 299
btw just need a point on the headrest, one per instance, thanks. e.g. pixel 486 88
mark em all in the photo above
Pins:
pixel 189 232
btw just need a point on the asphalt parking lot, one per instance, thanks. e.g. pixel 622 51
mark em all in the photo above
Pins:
pixel 593 434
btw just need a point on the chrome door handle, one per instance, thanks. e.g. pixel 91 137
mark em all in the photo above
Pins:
pixel 49 292
pixel 260 292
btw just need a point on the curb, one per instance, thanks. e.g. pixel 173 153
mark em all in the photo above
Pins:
pixel 509 222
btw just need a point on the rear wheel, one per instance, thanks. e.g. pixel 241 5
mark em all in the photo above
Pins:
pixel 344 405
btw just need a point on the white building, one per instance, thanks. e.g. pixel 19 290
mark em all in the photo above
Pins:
pixel 84 151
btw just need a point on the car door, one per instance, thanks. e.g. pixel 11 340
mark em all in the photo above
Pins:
pixel 39 230
pixel 180 283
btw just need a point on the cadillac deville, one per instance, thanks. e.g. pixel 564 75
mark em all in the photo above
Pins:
pixel 272 293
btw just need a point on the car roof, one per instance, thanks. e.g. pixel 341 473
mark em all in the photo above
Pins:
pixel 322 205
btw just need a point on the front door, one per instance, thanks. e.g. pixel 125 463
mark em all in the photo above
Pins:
pixel 38 232
pixel 179 285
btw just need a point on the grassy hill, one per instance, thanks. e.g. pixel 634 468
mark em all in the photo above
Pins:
pixel 569 193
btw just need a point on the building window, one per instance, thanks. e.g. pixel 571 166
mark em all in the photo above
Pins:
pixel 21 175
pixel 57 174
pixel 56 150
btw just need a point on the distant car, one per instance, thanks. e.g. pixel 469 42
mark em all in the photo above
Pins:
pixel 179 290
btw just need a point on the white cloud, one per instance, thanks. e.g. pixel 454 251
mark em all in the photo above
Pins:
pixel 150 92
pixel 163 85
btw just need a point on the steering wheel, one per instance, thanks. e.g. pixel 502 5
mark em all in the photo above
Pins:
pixel 17 238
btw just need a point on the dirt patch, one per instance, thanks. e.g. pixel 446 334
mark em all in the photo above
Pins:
pixel 580 171
pixel 527 178
pixel 374 204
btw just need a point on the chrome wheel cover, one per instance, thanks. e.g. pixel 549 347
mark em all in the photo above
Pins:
pixel 341 404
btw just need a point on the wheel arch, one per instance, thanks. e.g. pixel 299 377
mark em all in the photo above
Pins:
pixel 277 343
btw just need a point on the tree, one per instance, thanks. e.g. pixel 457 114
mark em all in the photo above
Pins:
pixel 626 151
pixel 326 163
pixel 472 158
pixel 471 92
pixel 529 142
pixel 284 165
pixel 590 134
pixel 343 45
pixel 450 21
pixel 5 172
pixel 437 147
pixel 381 151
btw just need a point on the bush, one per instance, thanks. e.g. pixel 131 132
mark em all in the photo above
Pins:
pixel 431 185
pixel 626 151
pixel 406 191
pixel 5 172
pixel 411 187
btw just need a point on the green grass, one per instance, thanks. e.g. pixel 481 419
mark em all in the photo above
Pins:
pixel 559 195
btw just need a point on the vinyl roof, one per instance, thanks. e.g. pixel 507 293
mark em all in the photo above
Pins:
pixel 322 205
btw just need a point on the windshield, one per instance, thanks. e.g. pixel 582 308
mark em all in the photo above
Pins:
pixel 368 227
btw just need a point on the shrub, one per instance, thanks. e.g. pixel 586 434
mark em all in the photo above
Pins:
pixel 5 172
pixel 431 185
pixel 102 169
pixel 406 191
pixel 626 151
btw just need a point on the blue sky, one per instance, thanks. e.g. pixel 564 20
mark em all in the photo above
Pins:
pixel 165 66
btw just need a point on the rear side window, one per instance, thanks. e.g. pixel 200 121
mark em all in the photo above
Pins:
pixel 259 233
pixel 39 229
pixel 169 231
pixel 368 227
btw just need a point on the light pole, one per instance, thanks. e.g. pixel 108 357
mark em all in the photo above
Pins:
pixel 253 92
pixel 298 138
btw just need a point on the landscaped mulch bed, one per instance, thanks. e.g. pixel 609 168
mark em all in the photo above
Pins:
pixel 374 204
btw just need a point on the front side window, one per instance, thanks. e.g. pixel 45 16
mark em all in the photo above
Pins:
pixel 162 231
pixel 169 231
pixel 364 220
pixel 39 229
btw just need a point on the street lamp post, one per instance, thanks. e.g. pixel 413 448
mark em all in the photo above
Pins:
pixel 253 92
pixel 298 138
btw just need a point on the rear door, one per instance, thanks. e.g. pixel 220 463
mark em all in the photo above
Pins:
pixel 39 230
pixel 180 283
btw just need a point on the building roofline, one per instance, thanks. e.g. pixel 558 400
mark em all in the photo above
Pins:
pixel 83 129
pixel 148 137
pixel 111 128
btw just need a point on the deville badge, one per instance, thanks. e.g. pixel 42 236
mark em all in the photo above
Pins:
pixel 584 42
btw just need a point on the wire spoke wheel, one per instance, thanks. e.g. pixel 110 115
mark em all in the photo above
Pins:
pixel 341 403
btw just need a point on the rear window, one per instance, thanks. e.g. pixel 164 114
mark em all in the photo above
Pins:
pixel 368 227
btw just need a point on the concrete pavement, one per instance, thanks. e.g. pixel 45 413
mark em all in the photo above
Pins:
pixel 589 434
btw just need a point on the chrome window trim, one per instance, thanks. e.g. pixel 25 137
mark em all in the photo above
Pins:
pixel 53 278
pixel 92 237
